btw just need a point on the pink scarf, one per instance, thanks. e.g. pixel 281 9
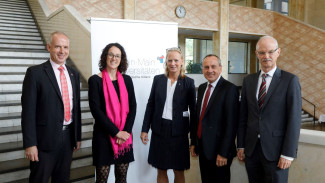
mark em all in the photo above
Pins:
pixel 116 111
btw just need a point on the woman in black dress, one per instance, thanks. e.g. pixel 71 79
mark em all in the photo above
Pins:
pixel 113 105
pixel 172 94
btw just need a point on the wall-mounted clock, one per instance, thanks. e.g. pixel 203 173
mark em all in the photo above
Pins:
pixel 180 11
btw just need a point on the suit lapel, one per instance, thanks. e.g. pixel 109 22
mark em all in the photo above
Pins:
pixel 73 81
pixel 178 88
pixel 200 98
pixel 255 87
pixel 274 83
pixel 50 73
pixel 163 91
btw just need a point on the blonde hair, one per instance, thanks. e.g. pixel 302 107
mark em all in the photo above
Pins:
pixel 169 50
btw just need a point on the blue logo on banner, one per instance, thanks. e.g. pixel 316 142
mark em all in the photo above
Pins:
pixel 161 59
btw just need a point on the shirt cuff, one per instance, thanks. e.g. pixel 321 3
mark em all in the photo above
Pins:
pixel 287 157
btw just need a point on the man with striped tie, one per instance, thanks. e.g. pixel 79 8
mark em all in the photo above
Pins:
pixel 270 117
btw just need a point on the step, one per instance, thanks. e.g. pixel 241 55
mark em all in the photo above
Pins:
pixel 17 41
pixel 12 85
pixel 310 119
pixel 14 150
pixel 18 32
pixel 22 2
pixel 13 6
pixel 84 174
pixel 23 163
pixel 14 134
pixel 14 119
pixel 20 37
pixel 20 19
pixel 28 17
pixel 22 46
pixel 304 115
pixel 14 10
pixel 17 22
pixel 22 60
pixel 2 24
pixel 15 13
pixel 16 95
pixel 11 76
pixel 20 168
pixel 15 106
pixel 13 69
pixel 26 54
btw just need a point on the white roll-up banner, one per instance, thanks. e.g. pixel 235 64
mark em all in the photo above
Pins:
pixel 145 44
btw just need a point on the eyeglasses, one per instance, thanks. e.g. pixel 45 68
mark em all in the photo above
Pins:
pixel 111 55
pixel 262 53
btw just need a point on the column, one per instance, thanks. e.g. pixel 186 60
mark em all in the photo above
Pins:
pixel 129 9
pixel 297 9
pixel 221 37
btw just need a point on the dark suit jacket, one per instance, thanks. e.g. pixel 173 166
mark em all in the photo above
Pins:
pixel 42 108
pixel 277 122
pixel 183 99
pixel 219 123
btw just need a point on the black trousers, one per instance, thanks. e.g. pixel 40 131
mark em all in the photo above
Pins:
pixel 55 164
pixel 260 170
pixel 210 172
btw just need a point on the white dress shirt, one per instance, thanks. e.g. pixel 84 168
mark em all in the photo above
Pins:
pixel 214 84
pixel 168 108
pixel 56 70
pixel 268 80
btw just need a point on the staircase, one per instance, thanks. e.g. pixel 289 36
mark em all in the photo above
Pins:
pixel 21 46
pixel 306 118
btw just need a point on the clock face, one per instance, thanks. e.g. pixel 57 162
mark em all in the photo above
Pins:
pixel 180 11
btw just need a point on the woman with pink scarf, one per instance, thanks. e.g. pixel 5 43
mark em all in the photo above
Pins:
pixel 113 105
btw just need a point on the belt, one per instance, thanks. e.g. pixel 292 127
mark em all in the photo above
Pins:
pixel 65 127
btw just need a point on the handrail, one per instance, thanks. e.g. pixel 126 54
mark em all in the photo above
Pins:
pixel 313 106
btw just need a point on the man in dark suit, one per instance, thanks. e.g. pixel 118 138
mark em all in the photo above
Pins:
pixel 270 117
pixel 51 118
pixel 213 138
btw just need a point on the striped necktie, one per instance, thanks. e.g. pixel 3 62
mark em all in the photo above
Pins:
pixel 262 91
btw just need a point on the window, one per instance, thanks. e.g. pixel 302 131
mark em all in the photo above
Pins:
pixel 197 49
pixel 237 57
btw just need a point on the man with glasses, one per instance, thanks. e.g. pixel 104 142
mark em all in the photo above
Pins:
pixel 270 117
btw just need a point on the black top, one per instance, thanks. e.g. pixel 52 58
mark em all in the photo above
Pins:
pixel 103 127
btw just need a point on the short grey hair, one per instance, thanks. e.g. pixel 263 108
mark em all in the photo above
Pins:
pixel 57 33
pixel 213 55
pixel 267 37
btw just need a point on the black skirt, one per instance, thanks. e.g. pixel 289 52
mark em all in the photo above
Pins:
pixel 167 151
pixel 102 150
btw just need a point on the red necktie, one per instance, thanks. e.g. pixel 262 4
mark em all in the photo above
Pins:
pixel 65 94
pixel 262 91
pixel 207 95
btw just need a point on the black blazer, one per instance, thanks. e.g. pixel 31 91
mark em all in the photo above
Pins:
pixel 219 123
pixel 42 108
pixel 183 99
pixel 278 122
